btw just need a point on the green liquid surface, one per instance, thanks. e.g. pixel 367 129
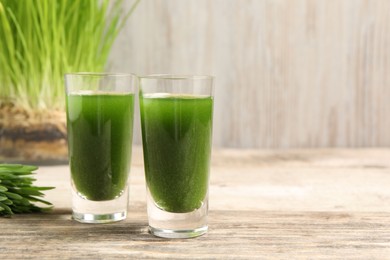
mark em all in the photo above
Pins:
pixel 100 129
pixel 176 133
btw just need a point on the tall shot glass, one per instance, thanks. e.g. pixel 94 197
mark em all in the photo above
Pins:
pixel 99 109
pixel 176 119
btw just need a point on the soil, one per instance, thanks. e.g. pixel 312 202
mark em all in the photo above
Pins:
pixel 32 136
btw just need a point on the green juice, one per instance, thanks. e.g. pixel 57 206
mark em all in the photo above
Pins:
pixel 176 133
pixel 100 130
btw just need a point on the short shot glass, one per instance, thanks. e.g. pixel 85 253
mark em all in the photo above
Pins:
pixel 99 110
pixel 176 121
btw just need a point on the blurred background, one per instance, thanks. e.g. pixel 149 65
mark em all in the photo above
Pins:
pixel 289 73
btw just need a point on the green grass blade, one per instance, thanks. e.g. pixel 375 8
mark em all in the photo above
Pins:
pixel 17 192
pixel 40 40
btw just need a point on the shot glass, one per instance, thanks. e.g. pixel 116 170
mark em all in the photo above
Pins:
pixel 176 120
pixel 99 110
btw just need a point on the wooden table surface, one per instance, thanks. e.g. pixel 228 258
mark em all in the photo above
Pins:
pixel 299 204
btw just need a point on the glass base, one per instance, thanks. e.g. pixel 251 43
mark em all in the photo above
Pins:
pixel 87 211
pixel 177 225
pixel 99 218
pixel 169 233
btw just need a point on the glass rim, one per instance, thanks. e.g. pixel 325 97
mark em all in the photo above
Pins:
pixel 176 77
pixel 100 74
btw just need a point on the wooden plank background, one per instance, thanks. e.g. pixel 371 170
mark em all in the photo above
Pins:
pixel 289 73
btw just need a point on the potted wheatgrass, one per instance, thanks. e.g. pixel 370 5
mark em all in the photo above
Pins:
pixel 40 40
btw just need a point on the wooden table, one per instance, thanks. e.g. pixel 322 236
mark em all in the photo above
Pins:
pixel 303 204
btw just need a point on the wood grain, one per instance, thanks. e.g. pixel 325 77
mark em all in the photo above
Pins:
pixel 299 204
pixel 294 180
pixel 232 235
pixel 289 73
